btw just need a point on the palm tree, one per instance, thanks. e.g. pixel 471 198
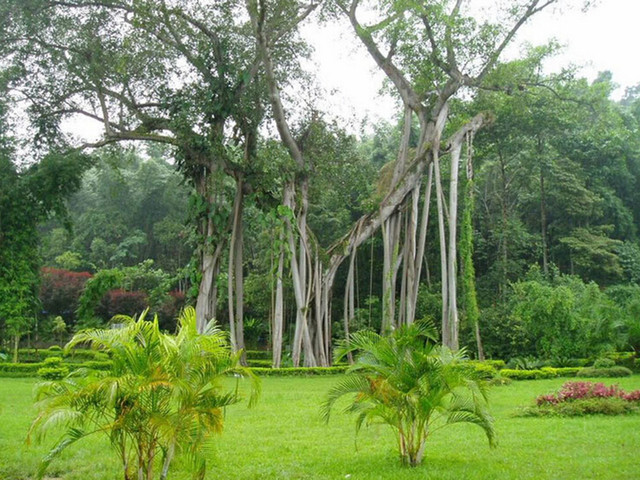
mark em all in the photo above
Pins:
pixel 162 396
pixel 409 382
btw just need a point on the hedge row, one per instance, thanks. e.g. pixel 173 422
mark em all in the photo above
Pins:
pixel 258 354
pixel 31 369
pixel 612 372
pixel 544 372
pixel 298 372
pixel 31 355
pixel 259 363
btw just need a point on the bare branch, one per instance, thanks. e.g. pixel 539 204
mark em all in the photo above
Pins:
pixel 534 7
pixel 408 94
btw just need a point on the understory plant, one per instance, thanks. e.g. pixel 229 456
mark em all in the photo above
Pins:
pixel 161 398
pixel 583 398
pixel 409 382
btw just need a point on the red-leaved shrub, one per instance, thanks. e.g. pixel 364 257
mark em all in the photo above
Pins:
pixel 60 291
pixel 571 391
pixel 121 302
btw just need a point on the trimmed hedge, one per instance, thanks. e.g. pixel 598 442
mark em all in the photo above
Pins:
pixel 301 371
pixel 259 363
pixel 258 354
pixel 497 364
pixel 479 370
pixel 611 372
pixel 623 359
pixel 527 374
pixel 544 372
pixel 32 369
pixel 31 355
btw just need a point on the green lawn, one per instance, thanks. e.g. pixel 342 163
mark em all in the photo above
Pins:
pixel 284 438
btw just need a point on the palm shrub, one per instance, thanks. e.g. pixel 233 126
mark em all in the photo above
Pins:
pixel 409 382
pixel 161 398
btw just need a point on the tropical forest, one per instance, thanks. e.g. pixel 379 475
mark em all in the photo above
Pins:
pixel 208 270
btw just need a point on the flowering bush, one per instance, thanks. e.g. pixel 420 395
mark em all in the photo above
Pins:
pixel 586 390
pixel 585 398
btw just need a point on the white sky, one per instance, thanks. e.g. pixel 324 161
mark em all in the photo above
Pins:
pixel 606 37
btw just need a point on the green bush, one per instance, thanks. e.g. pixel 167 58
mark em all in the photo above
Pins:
pixel 499 381
pixel 259 363
pixel 20 369
pixel 547 372
pixel 300 371
pixel 258 354
pixel 611 372
pixel 53 373
pixel 563 371
pixel 31 355
pixel 52 361
pixel 479 370
pixel 623 359
pixel 590 406
pixel 604 363
pixel 33 369
pixel 497 364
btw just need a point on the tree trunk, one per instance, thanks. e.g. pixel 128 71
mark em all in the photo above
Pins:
pixel 452 273
pixel 16 344
pixel 278 311
pixel 444 287
pixel 302 337
pixel 543 211
pixel 543 226
pixel 349 303
pixel 235 280
pixel 422 241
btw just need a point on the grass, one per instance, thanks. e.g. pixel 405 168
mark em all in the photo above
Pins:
pixel 284 437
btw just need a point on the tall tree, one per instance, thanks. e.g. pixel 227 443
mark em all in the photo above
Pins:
pixel 27 197
pixel 177 73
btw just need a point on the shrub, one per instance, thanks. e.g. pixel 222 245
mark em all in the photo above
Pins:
pixel 120 301
pixel 623 359
pixel 31 355
pixel 33 369
pixel 585 398
pixel 258 354
pixel 169 309
pixel 299 371
pixel 603 363
pixel 53 373
pixel 20 369
pixel 527 374
pixel 497 364
pixel 60 291
pixel 612 372
pixel 592 406
pixel 479 370
pixel 52 361
pixel 259 363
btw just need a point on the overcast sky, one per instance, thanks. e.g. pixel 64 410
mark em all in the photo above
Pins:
pixel 606 37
